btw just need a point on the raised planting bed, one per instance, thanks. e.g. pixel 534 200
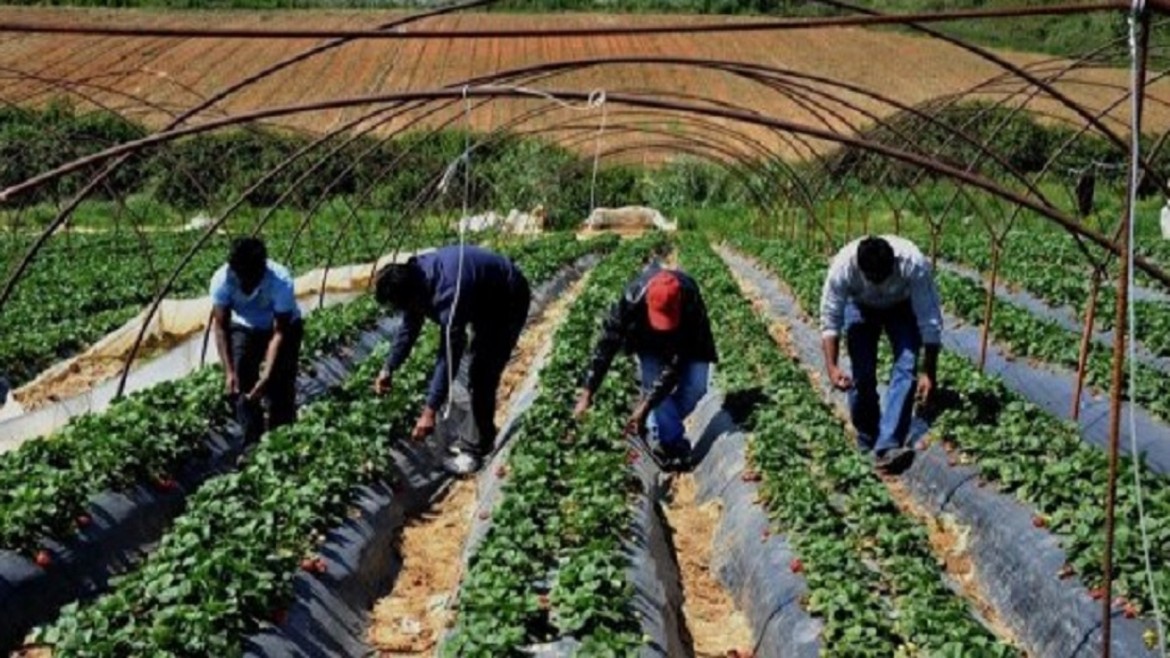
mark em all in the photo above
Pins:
pixel 559 570
pixel 1035 555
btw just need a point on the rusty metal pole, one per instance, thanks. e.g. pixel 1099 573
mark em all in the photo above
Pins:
pixel 1086 342
pixel 1119 328
pixel 989 306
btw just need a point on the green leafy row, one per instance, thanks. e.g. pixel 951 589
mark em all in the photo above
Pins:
pixel 1025 452
pixel 1064 281
pixel 46 483
pixel 1029 336
pixel 564 511
pixel 837 512
pixel 228 562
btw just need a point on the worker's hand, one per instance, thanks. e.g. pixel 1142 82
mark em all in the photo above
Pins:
pixel 425 425
pixel 840 380
pixel 925 389
pixel 257 391
pixel 231 383
pixel 637 421
pixel 584 400
pixel 382 383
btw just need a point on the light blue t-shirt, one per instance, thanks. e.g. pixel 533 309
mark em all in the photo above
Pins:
pixel 275 294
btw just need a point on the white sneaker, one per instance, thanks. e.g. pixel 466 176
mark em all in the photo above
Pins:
pixel 462 463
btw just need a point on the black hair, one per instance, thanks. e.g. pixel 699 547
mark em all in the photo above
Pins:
pixel 248 258
pixel 399 284
pixel 875 258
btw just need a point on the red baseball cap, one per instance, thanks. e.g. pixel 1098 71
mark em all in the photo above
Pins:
pixel 664 301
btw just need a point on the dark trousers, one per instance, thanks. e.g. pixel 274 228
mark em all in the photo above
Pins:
pixel 249 347
pixel 491 347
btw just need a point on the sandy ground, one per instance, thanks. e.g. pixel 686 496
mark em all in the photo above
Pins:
pixel 412 619
pixel 152 79
pixel 716 625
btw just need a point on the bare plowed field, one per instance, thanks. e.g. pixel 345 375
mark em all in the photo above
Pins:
pixel 150 79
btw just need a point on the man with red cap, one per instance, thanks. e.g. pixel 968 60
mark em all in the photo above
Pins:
pixel 662 319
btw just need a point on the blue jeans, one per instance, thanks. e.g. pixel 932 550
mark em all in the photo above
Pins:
pixel 863 329
pixel 666 420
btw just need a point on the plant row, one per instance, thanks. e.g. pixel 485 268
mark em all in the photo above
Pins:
pixel 551 564
pixel 1027 453
pixel 839 516
pixel 146 436
pixel 227 564
pixel 1029 336
pixel 83 286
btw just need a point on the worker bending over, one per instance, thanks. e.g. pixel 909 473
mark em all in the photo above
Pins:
pixel 457 287
pixel 258 332
pixel 662 319
pixel 881 285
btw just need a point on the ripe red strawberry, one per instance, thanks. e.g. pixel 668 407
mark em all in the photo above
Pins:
pixel 796 566
pixel 43 559
pixel 1039 522
pixel 308 564
pixel 84 520
pixel 1097 593
pixel 319 565
pixel 1130 610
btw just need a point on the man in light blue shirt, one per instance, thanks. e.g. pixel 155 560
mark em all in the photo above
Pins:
pixel 258 332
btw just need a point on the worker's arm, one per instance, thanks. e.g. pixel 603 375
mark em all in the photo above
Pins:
pixel 613 331
pixel 280 326
pixel 833 301
pixel 404 340
pixel 927 306
pixel 221 317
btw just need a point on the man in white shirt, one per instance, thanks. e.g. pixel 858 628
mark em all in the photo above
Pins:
pixel 881 285
pixel 258 332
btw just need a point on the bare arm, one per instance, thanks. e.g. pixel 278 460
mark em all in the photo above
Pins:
pixel 279 330
pixel 220 320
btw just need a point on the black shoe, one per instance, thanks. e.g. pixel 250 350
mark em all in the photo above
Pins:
pixel 673 456
pixel 893 460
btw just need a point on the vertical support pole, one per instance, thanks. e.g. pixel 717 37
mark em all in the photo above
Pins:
pixel 1120 328
pixel 1086 342
pixel 989 306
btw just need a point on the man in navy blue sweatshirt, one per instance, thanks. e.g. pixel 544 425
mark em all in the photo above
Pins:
pixel 457 287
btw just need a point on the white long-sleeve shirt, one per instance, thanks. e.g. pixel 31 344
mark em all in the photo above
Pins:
pixel 912 279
